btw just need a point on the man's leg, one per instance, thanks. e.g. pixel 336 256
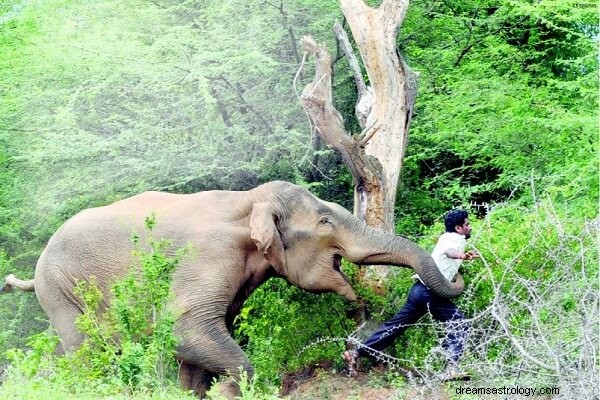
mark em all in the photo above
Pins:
pixel 409 314
pixel 457 328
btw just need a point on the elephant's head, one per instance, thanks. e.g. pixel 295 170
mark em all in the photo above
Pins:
pixel 304 239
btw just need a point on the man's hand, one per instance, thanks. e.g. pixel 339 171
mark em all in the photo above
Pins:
pixel 469 255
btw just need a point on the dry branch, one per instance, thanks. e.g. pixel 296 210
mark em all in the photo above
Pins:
pixel 534 332
pixel 364 103
pixel 318 103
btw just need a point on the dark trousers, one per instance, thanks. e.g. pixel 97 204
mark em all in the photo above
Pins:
pixel 420 300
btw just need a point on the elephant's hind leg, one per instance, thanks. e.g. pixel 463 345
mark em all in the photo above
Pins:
pixel 64 324
pixel 61 310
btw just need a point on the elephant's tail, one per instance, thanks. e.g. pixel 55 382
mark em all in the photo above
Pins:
pixel 14 282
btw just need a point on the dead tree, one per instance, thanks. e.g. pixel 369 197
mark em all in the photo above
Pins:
pixel 374 155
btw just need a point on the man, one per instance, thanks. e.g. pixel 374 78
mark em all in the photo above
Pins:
pixel 448 254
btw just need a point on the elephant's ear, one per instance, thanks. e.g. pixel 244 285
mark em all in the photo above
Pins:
pixel 265 235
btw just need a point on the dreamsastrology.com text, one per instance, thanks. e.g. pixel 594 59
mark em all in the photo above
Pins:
pixel 505 390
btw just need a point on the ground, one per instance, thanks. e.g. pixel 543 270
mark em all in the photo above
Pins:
pixel 324 382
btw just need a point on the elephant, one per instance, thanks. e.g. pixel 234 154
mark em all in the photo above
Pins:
pixel 243 238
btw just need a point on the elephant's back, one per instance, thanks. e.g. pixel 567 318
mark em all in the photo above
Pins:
pixel 98 242
pixel 169 207
pixel 84 248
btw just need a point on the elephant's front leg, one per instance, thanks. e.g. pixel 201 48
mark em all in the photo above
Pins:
pixel 209 350
pixel 192 377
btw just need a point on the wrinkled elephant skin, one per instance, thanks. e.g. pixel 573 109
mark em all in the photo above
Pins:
pixel 238 241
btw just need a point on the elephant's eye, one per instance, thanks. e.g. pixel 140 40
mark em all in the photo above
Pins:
pixel 325 226
pixel 325 221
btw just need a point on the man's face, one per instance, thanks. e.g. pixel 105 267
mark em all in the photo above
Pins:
pixel 464 229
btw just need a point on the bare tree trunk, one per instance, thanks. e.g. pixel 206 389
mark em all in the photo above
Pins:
pixel 383 109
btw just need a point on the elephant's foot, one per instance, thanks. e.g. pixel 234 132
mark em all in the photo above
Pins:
pixel 228 390
pixel 192 377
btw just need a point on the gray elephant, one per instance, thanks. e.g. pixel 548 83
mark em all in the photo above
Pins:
pixel 242 239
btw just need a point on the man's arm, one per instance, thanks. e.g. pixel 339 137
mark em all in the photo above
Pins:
pixel 459 255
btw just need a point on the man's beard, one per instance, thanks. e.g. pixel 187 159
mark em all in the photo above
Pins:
pixel 468 235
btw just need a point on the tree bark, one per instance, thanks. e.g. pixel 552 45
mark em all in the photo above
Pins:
pixel 374 156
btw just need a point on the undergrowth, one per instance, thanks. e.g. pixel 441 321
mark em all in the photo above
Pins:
pixel 129 347
pixel 532 299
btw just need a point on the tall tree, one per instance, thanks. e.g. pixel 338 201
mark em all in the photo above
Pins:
pixel 383 109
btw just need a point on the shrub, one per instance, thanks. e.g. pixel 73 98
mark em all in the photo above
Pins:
pixel 284 328
pixel 249 389
pixel 130 345
pixel 532 300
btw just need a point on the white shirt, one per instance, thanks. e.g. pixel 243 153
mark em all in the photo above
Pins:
pixel 447 266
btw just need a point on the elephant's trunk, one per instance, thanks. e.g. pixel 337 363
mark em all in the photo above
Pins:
pixel 379 248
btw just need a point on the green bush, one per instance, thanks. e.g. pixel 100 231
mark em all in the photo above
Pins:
pixel 283 329
pixel 130 346
pixel 249 389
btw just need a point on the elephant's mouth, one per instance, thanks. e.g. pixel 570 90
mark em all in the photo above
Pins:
pixel 337 264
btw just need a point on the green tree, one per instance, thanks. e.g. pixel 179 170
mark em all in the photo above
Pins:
pixel 507 94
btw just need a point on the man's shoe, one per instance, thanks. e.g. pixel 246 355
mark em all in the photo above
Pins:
pixel 351 358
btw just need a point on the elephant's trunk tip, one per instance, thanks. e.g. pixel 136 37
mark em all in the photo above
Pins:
pixel 433 278
pixel 348 293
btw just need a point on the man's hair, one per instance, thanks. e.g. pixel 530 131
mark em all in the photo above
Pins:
pixel 453 218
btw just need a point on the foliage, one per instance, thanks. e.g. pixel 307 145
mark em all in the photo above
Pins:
pixel 28 389
pixel 15 331
pixel 283 328
pixel 249 388
pixel 38 359
pixel 100 100
pixel 507 91
pixel 130 345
